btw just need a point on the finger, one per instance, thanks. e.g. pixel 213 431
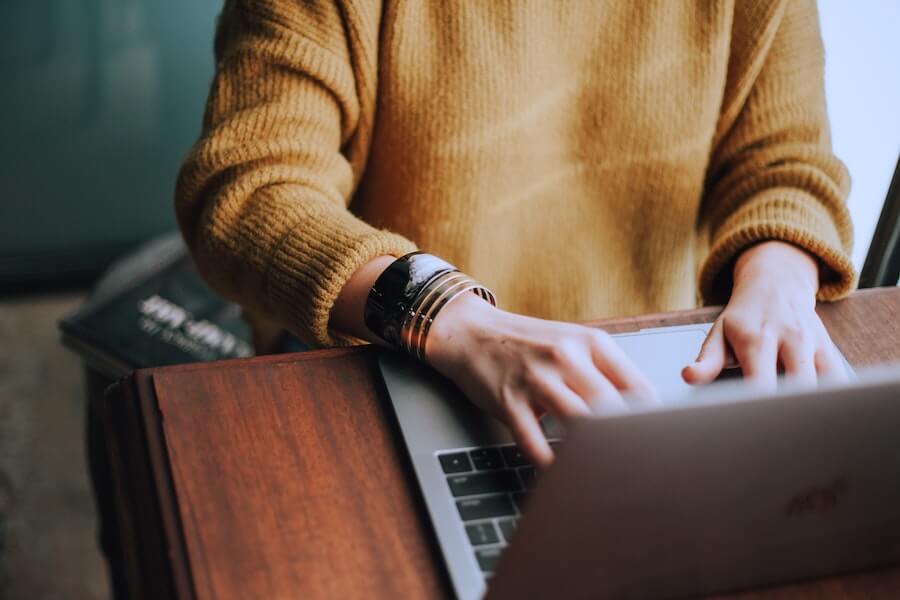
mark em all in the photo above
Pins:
pixel 606 397
pixel 581 375
pixel 526 430
pixel 549 392
pixel 619 372
pixel 798 358
pixel 758 357
pixel 711 359
pixel 828 362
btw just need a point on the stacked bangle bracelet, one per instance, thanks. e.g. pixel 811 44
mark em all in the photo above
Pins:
pixel 408 296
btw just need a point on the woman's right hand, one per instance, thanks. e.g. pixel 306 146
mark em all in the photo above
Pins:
pixel 517 367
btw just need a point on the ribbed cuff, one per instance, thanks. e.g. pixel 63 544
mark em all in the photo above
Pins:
pixel 787 215
pixel 312 264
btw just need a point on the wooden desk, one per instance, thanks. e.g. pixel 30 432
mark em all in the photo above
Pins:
pixel 285 476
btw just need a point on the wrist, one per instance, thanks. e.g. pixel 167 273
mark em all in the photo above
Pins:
pixel 453 328
pixel 409 295
pixel 777 262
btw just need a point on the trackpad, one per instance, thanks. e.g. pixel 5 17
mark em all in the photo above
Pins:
pixel 662 353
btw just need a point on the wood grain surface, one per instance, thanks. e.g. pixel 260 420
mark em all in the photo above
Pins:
pixel 285 476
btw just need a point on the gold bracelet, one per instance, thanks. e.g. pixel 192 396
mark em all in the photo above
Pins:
pixel 421 306
pixel 441 296
pixel 473 287
pixel 422 312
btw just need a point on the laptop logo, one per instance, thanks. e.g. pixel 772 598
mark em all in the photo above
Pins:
pixel 817 499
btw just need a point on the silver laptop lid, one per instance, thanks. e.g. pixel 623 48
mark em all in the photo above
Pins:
pixel 728 492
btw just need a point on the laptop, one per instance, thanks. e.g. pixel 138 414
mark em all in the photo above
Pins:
pixel 717 469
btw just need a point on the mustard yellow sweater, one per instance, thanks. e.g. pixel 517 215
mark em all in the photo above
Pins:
pixel 581 158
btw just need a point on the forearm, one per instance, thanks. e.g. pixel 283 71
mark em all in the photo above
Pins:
pixel 772 174
pixel 348 310
pixel 262 198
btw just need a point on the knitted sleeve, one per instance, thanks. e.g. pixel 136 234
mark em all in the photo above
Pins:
pixel 262 199
pixel 772 174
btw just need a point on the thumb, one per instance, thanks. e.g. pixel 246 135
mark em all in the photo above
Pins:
pixel 711 360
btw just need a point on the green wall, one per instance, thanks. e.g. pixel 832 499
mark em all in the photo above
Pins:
pixel 100 101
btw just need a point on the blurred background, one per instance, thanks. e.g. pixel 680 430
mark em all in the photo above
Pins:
pixel 101 99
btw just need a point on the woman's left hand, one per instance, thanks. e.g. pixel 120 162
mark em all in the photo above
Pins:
pixel 770 322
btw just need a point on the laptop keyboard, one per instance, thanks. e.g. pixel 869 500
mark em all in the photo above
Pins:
pixel 489 486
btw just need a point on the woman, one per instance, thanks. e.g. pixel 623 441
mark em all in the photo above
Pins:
pixel 579 159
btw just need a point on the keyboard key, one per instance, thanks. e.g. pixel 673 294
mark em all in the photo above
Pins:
pixel 458 462
pixel 514 457
pixel 486 459
pixel 507 527
pixel 528 475
pixel 485 507
pixel 482 533
pixel 487 558
pixel 493 482
pixel 519 501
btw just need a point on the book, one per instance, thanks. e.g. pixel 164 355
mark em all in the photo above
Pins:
pixel 152 309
